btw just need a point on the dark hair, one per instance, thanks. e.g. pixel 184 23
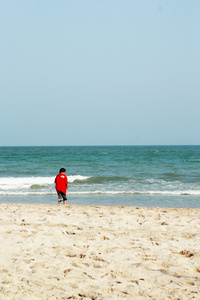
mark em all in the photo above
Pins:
pixel 62 170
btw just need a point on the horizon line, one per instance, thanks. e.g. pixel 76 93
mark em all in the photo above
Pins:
pixel 102 145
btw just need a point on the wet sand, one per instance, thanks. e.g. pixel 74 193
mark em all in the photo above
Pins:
pixel 99 252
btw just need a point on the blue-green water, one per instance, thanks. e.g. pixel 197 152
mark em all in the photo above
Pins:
pixel 165 176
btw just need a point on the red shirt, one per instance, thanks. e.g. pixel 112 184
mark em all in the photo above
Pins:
pixel 61 182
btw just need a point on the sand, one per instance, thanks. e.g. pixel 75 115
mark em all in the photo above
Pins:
pixel 98 252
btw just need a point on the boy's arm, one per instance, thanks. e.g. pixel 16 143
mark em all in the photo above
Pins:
pixel 66 182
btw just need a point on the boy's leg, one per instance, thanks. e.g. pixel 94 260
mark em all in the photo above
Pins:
pixel 64 198
pixel 59 198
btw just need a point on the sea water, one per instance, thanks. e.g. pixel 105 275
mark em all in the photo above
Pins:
pixel 163 176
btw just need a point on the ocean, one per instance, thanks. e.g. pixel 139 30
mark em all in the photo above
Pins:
pixel 148 176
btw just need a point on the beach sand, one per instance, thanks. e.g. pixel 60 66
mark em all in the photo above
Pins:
pixel 99 252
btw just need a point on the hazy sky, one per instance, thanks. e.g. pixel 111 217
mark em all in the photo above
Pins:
pixel 108 72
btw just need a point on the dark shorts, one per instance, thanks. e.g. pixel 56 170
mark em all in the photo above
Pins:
pixel 62 196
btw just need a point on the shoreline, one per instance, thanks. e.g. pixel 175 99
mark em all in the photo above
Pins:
pixel 97 206
pixel 99 252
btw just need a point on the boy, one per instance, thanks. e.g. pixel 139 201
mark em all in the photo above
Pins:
pixel 61 183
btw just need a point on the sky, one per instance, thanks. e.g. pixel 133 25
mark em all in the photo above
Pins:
pixel 109 72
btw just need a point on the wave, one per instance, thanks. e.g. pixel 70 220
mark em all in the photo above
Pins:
pixel 10 183
pixel 73 178
pixel 170 193
pixel 87 185
pixel 98 192
pixel 37 186
pixel 33 182
pixel 103 179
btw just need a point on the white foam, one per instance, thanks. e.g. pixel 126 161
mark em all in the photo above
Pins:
pixel 45 186
pixel 11 183
pixel 98 192
pixel 23 182
pixel 72 178
pixel 172 193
